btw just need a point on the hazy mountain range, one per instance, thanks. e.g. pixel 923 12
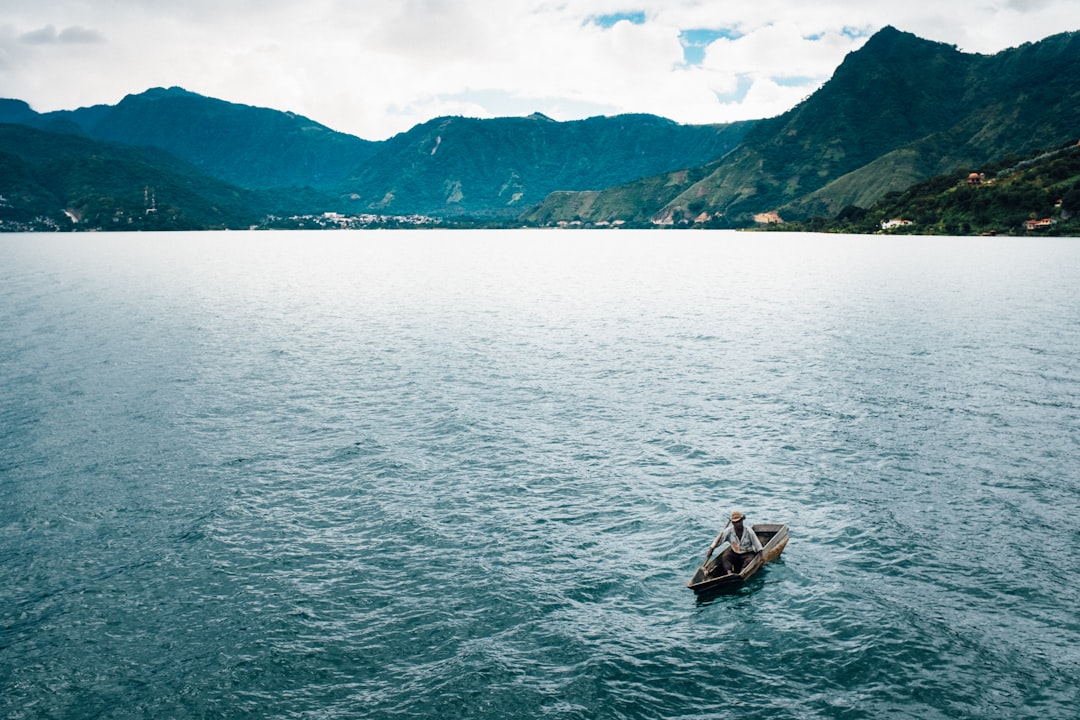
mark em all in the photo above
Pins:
pixel 899 110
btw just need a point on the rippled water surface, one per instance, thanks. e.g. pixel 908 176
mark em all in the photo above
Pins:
pixel 434 474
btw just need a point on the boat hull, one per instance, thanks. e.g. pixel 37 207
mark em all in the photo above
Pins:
pixel 709 577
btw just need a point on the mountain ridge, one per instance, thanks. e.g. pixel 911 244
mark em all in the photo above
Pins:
pixel 454 166
pixel 496 167
pixel 226 140
pixel 925 104
pixel 897 111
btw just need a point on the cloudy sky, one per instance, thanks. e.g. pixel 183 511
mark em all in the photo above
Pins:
pixel 374 68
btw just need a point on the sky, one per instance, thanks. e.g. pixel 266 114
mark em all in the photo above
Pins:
pixel 376 68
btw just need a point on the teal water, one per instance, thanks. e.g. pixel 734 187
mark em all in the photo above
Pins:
pixel 429 474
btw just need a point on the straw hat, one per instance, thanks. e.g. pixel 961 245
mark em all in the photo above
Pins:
pixel 736 516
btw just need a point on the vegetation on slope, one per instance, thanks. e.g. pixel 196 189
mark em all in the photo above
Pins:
pixel 251 147
pixel 460 166
pixel 899 110
pixel 450 167
pixel 1039 194
pixel 65 182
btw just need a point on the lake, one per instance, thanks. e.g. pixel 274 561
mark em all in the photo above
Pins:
pixel 468 474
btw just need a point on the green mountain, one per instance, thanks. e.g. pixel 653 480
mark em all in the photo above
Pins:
pixel 1014 102
pixel 449 166
pixel 898 110
pixel 247 146
pixel 460 166
pixel 17 111
pixel 66 182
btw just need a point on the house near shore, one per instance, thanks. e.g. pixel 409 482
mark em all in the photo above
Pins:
pixel 1033 225
pixel 895 223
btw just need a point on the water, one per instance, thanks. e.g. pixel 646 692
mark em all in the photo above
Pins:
pixel 434 474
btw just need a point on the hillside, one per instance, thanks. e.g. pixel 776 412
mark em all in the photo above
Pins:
pixel 462 166
pixel 1034 195
pixel 898 110
pixel 631 205
pixel 65 182
pixel 449 166
pixel 247 146
pixel 1014 102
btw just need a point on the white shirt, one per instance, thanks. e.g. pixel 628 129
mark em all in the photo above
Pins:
pixel 747 543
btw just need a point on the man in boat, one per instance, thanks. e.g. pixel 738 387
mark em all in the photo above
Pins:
pixel 744 544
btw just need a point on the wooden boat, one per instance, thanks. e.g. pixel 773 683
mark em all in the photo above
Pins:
pixel 710 576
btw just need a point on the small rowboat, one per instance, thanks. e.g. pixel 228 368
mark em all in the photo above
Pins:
pixel 709 576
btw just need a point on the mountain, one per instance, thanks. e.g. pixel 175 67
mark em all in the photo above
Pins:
pixel 896 111
pixel 61 181
pixel 247 146
pixel 17 111
pixel 501 167
pixel 449 166
pixel 1014 102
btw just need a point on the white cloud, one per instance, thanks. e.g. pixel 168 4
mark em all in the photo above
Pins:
pixel 49 35
pixel 375 68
